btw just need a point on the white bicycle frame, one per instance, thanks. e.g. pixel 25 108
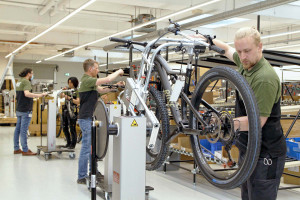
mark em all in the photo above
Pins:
pixel 136 91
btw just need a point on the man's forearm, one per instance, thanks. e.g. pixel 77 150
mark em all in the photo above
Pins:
pixel 32 95
pixel 228 49
pixel 242 124
pixel 103 89
pixel 108 79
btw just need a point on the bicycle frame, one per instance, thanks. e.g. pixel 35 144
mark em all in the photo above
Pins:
pixel 136 91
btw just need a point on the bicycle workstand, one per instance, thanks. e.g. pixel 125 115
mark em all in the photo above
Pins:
pixel 51 130
pixel 121 141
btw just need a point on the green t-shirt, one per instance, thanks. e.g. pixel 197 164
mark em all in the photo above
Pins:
pixel 87 83
pixel 24 104
pixel 264 82
pixel 88 95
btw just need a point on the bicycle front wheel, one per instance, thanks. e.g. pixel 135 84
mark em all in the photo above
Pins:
pixel 157 155
pixel 225 168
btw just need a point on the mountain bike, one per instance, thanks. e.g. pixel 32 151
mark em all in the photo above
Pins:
pixel 161 93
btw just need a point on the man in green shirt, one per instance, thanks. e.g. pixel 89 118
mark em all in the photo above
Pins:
pixel 89 88
pixel 24 111
pixel 265 83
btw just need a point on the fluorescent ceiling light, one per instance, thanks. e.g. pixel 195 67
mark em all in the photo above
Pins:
pixel 280 34
pixel 297 3
pixel 193 19
pixel 274 35
pixel 282 47
pixel 53 26
pixel 225 22
pixel 38 61
pixel 137 27
pixel 129 37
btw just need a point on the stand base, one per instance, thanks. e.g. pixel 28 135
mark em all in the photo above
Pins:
pixel 59 150
pixel 108 195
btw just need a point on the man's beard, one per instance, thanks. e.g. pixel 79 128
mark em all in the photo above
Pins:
pixel 248 65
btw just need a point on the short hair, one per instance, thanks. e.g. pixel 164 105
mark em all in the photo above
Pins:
pixel 25 71
pixel 74 80
pixel 88 63
pixel 248 31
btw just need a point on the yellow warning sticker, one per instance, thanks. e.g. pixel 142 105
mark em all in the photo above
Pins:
pixel 115 107
pixel 134 123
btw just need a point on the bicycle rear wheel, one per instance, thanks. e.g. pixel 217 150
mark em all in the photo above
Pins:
pixel 220 113
pixel 157 155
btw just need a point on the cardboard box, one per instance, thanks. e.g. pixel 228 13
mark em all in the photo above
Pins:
pixel 45 111
pixel 234 152
pixel 288 97
pixel 34 118
pixel 208 97
pixel 35 129
pixel 290 179
pixel 184 141
pixel 286 123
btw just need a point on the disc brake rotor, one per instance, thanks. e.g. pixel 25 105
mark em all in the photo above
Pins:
pixel 227 131
pixel 214 136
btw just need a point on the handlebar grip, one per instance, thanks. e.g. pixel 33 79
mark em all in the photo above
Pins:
pixel 113 39
pixel 217 49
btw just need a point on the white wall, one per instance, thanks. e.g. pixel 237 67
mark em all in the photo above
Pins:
pixel 73 68
pixel 288 75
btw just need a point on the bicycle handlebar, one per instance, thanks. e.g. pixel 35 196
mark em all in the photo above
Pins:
pixel 113 86
pixel 216 49
pixel 129 42
pixel 211 46
pixel 114 39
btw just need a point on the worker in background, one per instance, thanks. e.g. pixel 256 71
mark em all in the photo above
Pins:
pixel 69 112
pixel 247 55
pixel 24 111
pixel 89 88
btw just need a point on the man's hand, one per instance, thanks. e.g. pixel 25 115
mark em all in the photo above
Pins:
pixel 121 72
pixel 121 83
pixel 43 94
pixel 200 37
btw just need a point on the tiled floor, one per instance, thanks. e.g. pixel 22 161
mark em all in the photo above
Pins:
pixel 33 178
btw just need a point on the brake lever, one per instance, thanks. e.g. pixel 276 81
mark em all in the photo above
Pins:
pixel 176 25
pixel 174 29
pixel 210 39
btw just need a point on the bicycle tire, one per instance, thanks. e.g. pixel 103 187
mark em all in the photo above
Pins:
pixel 161 113
pixel 244 170
pixel 59 122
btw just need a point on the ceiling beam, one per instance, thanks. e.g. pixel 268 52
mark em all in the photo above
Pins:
pixel 222 16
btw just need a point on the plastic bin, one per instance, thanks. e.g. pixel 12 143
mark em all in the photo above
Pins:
pixel 216 147
pixel 205 143
pixel 212 147
pixel 293 148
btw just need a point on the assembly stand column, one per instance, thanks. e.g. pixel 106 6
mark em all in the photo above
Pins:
pixel 129 159
pixel 94 161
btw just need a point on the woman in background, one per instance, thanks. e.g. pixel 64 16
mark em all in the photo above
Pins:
pixel 69 112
